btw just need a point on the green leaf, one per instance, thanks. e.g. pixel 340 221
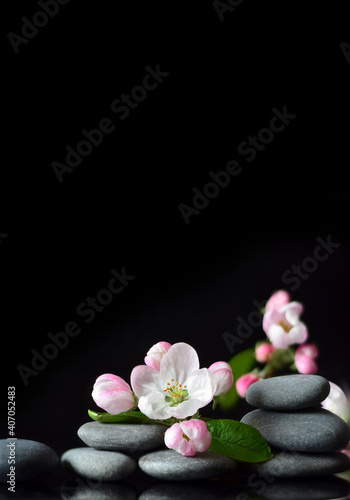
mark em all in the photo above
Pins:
pixel 128 417
pixel 238 441
pixel 242 363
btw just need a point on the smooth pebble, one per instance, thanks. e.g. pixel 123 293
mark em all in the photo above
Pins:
pixel 297 464
pixel 33 459
pixel 127 438
pixel 289 392
pixel 170 465
pixel 312 430
pixel 98 464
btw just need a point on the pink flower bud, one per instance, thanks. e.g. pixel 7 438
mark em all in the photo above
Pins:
pixel 156 353
pixel 244 382
pixel 305 364
pixel 113 394
pixel 264 352
pixel 277 299
pixel 309 350
pixel 188 437
pixel 222 377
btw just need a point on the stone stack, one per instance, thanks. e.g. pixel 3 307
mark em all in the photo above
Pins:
pixel 304 438
pixel 114 451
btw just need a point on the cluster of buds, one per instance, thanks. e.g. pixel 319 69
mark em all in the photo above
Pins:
pixel 284 330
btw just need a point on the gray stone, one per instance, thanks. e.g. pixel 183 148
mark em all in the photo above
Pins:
pixel 289 392
pixel 84 489
pixel 170 465
pixel 98 465
pixel 296 464
pixel 33 459
pixel 312 430
pixel 128 438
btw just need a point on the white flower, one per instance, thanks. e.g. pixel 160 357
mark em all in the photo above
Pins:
pixel 178 389
pixel 283 327
pixel 337 402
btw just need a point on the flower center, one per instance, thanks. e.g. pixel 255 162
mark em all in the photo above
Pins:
pixel 175 393
pixel 286 326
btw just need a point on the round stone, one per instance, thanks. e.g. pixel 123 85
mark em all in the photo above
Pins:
pixel 289 392
pixel 127 438
pixel 295 464
pixel 312 430
pixel 32 459
pixel 97 464
pixel 170 465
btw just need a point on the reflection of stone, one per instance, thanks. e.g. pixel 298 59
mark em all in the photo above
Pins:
pixel 80 489
pixel 128 438
pixel 97 464
pixel 30 459
pixel 311 430
pixel 28 491
pixel 194 490
pixel 170 465
pixel 289 392
pixel 321 488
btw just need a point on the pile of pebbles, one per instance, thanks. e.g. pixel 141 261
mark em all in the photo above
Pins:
pixel 115 451
pixel 305 439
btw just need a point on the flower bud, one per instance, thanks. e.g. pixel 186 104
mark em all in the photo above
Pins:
pixel 244 382
pixel 222 377
pixel 156 353
pixel 188 437
pixel 264 352
pixel 277 299
pixel 113 394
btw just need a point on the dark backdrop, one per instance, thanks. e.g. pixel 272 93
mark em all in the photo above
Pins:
pixel 119 208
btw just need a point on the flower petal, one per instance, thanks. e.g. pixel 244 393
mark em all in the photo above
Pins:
pixel 200 385
pixel 154 406
pixel 184 409
pixel 179 362
pixel 145 380
pixel 278 336
pixel 298 334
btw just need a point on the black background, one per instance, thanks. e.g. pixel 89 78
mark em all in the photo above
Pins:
pixel 119 207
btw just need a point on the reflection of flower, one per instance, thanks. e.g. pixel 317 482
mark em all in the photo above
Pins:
pixel 156 353
pixel 337 402
pixel 222 377
pixel 304 358
pixel 178 389
pixel 244 382
pixel 113 394
pixel 188 437
pixel 283 327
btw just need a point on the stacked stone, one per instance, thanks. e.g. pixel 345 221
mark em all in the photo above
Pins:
pixel 304 438
pixel 114 451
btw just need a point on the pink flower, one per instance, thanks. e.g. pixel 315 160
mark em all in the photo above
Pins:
pixel 188 437
pixel 113 394
pixel 222 377
pixel 283 327
pixel 264 352
pixel 156 353
pixel 178 389
pixel 304 358
pixel 244 382
pixel 277 299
